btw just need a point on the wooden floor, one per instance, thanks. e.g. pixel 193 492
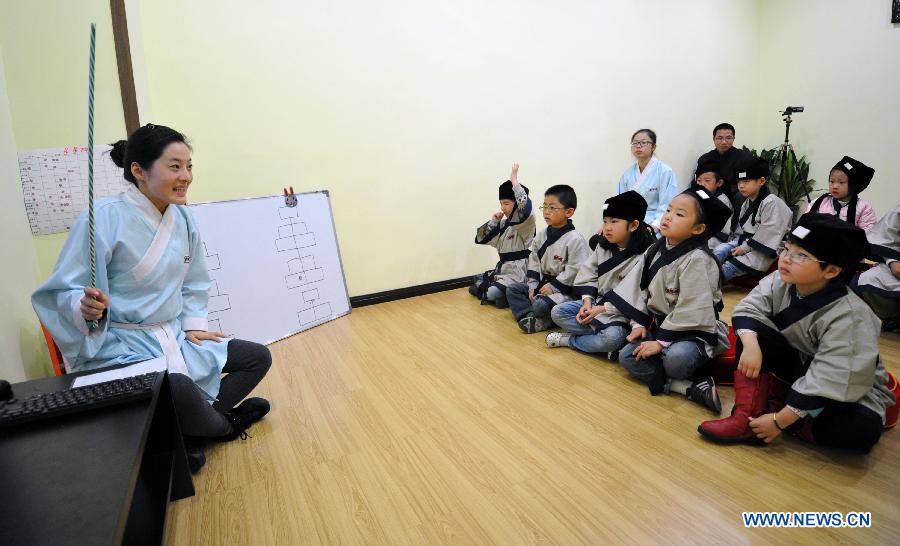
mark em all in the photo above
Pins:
pixel 435 420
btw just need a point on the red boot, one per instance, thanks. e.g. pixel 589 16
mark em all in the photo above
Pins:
pixel 778 391
pixel 750 400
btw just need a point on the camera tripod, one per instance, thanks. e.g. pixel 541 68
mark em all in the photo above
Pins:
pixel 786 150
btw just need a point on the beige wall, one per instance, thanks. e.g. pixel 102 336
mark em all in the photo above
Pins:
pixel 411 112
pixel 21 351
pixel 44 52
pixel 841 60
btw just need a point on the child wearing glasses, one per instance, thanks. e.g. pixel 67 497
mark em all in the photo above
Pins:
pixel 510 231
pixel 591 325
pixel 847 179
pixel 761 223
pixel 880 285
pixel 806 327
pixel 673 300
pixel 556 253
pixel 708 176
pixel 650 177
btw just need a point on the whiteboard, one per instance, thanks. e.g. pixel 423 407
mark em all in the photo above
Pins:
pixel 276 270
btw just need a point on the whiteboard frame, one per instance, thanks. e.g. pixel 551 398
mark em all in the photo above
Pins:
pixel 337 246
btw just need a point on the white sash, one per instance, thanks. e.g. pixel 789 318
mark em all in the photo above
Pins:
pixel 642 175
pixel 167 339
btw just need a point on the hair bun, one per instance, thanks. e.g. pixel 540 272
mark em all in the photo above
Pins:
pixel 117 154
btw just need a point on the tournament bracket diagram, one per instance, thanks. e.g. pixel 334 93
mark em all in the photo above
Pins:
pixel 296 244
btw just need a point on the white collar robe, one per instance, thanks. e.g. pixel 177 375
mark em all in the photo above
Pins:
pixel 153 269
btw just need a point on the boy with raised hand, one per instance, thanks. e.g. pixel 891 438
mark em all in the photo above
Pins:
pixel 510 231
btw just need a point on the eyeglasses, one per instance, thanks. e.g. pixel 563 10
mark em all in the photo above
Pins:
pixel 724 138
pixel 795 257
pixel 641 144
pixel 551 208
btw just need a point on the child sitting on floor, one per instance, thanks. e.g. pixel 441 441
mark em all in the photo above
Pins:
pixel 847 179
pixel 673 300
pixel 510 231
pixel 762 222
pixel 553 263
pixel 802 324
pixel 590 326
pixel 880 285
pixel 708 176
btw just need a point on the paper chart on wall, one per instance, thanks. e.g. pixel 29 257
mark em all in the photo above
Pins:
pixel 55 184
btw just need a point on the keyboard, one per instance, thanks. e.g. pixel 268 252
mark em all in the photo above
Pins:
pixel 48 405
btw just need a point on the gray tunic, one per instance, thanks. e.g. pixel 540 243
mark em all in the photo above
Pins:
pixel 601 273
pixel 512 238
pixel 677 297
pixel 725 234
pixel 884 238
pixel 836 335
pixel 555 258
pixel 760 235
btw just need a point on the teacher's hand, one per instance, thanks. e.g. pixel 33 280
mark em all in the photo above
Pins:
pixel 198 336
pixel 93 304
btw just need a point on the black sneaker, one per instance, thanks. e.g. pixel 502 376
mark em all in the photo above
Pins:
pixel 193 448
pixel 704 393
pixel 501 303
pixel 526 324
pixel 474 291
pixel 245 414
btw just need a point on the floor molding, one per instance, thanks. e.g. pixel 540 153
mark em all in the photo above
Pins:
pixel 409 292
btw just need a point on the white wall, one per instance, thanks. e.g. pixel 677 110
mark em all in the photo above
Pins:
pixel 21 352
pixel 841 60
pixel 411 112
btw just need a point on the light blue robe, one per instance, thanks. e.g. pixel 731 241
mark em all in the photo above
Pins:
pixel 153 269
pixel 658 186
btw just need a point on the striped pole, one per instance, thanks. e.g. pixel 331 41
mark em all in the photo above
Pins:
pixel 91 250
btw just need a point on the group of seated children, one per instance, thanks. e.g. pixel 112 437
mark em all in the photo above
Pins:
pixel 808 346
pixel 747 246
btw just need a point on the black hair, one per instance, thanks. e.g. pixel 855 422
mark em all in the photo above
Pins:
pixel 701 215
pixel 724 126
pixel 565 194
pixel 650 133
pixel 143 147
pixel 638 241
pixel 704 171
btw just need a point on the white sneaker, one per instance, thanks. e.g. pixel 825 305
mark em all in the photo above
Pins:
pixel 558 339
